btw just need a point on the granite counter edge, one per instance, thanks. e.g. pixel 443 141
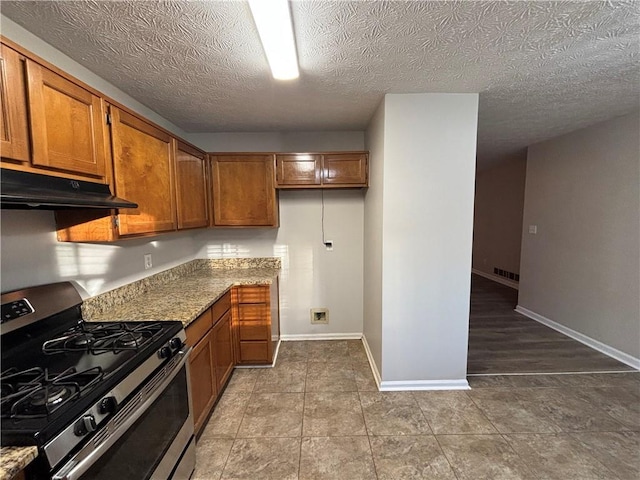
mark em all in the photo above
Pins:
pixel 15 459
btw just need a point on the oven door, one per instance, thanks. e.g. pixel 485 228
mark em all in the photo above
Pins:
pixel 151 437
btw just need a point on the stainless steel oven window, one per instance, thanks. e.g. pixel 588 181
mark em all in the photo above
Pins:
pixel 139 452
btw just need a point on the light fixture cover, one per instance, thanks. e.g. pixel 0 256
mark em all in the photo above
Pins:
pixel 273 21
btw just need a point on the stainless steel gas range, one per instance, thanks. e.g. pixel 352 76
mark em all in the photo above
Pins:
pixel 101 400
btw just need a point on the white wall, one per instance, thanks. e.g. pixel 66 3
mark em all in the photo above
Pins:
pixel 373 221
pixel 497 219
pixel 582 268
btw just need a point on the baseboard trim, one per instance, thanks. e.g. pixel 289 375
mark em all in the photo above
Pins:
pixel 372 363
pixel 497 278
pixel 320 336
pixel 582 338
pixel 392 386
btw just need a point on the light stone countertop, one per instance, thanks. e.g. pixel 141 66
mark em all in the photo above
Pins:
pixel 15 459
pixel 183 298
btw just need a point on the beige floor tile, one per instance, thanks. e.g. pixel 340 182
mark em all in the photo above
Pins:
pixel 330 377
pixel 483 457
pixel 272 415
pixel 295 351
pixel 263 459
pixel 453 413
pixel 601 380
pixel 328 351
pixel 336 458
pixel 365 382
pixel 227 415
pixel 622 403
pixel 507 410
pixel 242 380
pixel 328 414
pixel 618 451
pixel 410 458
pixel 286 376
pixel 392 413
pixel 211 456
pixel 557 457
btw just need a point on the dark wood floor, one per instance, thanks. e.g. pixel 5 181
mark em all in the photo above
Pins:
pixel 502 341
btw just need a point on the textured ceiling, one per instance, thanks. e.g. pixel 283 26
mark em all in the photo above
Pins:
pixel 542 68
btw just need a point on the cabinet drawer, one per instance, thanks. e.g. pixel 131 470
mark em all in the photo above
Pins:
pixel 253 313
pixel 254 352
pixel 253 294
pixel 199 328
pixel 254 331
pixel 221 306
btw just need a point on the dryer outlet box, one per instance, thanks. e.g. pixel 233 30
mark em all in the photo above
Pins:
pixel 319 316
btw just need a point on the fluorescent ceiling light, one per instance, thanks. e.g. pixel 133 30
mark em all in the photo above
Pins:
pixel 273 20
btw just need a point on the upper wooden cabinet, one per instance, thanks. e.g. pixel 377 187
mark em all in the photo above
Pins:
pixel 191 187
pixel 67 124
pixel 14 129
pixel 243 191
pixel 322 170
pixel 143 173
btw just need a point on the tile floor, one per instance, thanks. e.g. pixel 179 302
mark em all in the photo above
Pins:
pixel 318 415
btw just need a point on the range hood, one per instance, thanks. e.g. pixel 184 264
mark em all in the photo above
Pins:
pixel 23 190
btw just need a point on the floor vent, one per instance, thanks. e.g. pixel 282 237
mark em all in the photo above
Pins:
pixel 503 273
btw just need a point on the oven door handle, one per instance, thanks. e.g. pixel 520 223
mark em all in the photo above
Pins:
pixel 82 461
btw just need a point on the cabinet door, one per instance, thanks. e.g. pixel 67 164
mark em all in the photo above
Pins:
pixel 223 350
pixel 143 173
pixel 14 133
pixel 191 187
pixel 203 383
pixel 345 169
pixel 244 194
pixel 67 124
pixel 298 170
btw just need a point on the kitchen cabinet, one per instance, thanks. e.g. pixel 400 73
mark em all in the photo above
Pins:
pixel 243 190
pixel 255 323
pixel 14 129
pixel 143 158
pixel 211 361
pixel 322 170
pixel 50 124
pixel 191 187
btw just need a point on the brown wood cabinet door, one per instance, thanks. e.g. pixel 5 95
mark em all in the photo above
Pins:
pixel 244 193
pixel 67 124
pixel 203 382
pixel 223 350
pixel 345 169
pixel 143 173
pixel 191 187
pixel 252 325
pixel 14 129
pixel 295 170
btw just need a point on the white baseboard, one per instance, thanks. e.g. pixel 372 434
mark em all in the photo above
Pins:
pixel 496 278
pixel 424 385
pixel 582 338
pixel 320 336
pixel 372 363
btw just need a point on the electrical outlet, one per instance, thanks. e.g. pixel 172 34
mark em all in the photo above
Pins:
pixel 533 229
pixel 329 245
pixel 147 261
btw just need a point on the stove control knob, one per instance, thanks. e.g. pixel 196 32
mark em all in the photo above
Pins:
pixel 175 343
pixel 165 352
pixel 86 424
pixel 107 405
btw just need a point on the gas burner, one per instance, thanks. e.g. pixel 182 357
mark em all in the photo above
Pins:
pixel 129 339
pixel 36 393
pixel 82 341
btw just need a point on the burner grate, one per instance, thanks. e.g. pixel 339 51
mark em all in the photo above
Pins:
pixel 36 393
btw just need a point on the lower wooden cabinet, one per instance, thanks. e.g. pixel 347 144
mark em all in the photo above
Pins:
pixel 255 323
pixel 211 361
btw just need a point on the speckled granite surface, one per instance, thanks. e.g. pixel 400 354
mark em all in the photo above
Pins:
pixel 181 293
pixel 14 459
